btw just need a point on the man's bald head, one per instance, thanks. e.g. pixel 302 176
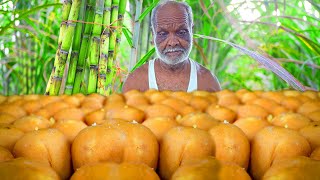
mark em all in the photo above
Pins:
pixel 171 4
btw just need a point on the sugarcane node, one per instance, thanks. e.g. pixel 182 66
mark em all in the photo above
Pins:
pixel 67 1
pixel 96 38
pixel 63 23
pixel 114 7
pixel 79 69
pixel 99 12
pixel 86 36
pixel 102 76
pixel 57 78
pixel 106 32
pixel 69 87
pixel 94 67
pixel 74 54
pixel 107 9
pixel 103 56
pixel 89 7
pixel 71 23
pixel 120 16
pixel 64 52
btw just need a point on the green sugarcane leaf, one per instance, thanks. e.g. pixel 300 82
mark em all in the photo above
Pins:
pixel 148 10
pixel 27 13
pixel 268 63
pixel 128 35
pixel 144 59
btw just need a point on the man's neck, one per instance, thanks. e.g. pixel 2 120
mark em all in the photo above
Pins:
pixel 174 68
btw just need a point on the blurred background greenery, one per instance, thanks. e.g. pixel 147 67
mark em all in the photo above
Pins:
pixel 287 32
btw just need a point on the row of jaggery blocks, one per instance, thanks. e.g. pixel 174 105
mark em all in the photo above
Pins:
pixel 162 134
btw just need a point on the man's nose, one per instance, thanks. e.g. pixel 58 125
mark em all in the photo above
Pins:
pixel 173 41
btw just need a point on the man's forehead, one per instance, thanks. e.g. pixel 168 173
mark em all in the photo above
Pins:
pixel 172 13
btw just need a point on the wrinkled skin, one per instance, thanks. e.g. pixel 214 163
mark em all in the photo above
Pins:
pixel 173 41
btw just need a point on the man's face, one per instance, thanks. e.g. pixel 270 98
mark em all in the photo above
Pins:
pixel 173 36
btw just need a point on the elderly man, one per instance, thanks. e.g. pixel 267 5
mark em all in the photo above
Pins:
pixel 173 70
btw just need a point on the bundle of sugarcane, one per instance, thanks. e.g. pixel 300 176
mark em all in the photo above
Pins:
pixel 91 31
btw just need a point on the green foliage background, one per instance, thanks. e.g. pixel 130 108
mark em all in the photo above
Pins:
pixel 284 31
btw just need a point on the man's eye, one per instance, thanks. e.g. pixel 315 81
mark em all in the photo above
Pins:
pixel 182 32
pixel 161 33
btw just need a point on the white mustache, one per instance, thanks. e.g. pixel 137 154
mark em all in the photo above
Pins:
pixel 173 50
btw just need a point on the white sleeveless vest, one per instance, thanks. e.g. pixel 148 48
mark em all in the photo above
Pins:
pixel 193 81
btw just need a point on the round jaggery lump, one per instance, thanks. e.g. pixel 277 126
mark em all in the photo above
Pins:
pixel 309 107
pixel 6 118
pixel 221 113
pixel 70 128
pixel 251 125
pixel 209 168
pixel 272 144
pixel 127 113
pixel 69 113
pixel 160 125
pixel 294 168
pixel 9 136
pixel 95 117
pixel 15 111
pixel 251 110
pixel 157 110
pixel 312 134
pixel 231 144
pixel 32 106
pixel 31 123
pixel 200 103
pixel 290 120
pixel 180 144
pixel 198 120
pixel 110 170
pixel 5 154
pixel 315 154
pixel 291 103
pixel 314 116
pixel 23 168
pixel 48 146
pixel 228 100
pixel 116 141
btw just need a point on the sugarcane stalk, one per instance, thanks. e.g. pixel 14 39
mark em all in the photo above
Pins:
pixel 62 54
pixel 94 53
pixel 144 30
pixel 102 69
pixel 75 50
pixel 65 15
pixel 89 18
pixel 122 10
pixel 112 43
pixel 136 32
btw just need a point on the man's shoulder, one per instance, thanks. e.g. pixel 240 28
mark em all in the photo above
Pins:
pixel 201 69
pixel 138 79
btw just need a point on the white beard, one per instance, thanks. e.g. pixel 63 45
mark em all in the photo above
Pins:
pixel 163 57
